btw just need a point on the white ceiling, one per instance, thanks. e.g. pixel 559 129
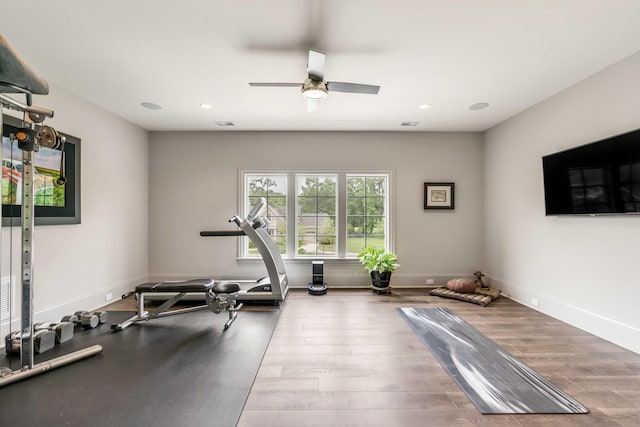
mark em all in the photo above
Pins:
pixel 511 54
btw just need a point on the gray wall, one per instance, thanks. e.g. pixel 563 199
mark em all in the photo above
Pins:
pixel 76 266
pixel 194 186
pixel 583 270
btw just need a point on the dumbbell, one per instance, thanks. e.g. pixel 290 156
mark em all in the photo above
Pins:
pixel 82 318
pixel 43 340
pixel 87 320
pixel 103 316
pixel 12 342
pixel 63 330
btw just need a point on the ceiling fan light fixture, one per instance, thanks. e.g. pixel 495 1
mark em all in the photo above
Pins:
pixel 314 94
pixel 314 90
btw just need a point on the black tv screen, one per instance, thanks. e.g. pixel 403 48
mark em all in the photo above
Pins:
pixel 595 179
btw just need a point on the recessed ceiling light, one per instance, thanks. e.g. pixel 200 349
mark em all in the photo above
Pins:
pixel 225 123
pixel 205 106
pixel 478 106
pixel 151 106
pixel 409 124
pixel 425 106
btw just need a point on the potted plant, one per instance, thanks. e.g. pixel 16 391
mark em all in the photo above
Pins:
pixel 380 264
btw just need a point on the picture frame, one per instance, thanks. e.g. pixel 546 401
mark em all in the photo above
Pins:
pixel 439 195
pixel 64 205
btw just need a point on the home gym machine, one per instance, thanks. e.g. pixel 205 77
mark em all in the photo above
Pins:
pixel 274 287
pixel 17 77
pixel 223 295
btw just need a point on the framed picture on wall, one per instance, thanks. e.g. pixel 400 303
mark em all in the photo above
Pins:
pixel 54 203
pixel 439 195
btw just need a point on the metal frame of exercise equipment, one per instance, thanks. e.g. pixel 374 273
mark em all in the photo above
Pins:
pixel 30 140
pixel 254 227
pixel 219 297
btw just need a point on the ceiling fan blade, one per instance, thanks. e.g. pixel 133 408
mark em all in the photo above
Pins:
pixel 276 84
pixel 352 88
pixel 312 105
pixel 315 66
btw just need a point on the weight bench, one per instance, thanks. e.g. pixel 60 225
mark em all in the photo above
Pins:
pixel 219 297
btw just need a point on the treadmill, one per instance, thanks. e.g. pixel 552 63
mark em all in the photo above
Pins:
pixel 273 288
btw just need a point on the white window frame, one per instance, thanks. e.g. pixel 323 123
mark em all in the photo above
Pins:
pixel 341 215
pixel 297 177
pixel 387 206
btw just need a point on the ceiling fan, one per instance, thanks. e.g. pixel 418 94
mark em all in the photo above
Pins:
pixel 315 88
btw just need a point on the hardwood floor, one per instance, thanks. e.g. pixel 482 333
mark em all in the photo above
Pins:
pixel 348 359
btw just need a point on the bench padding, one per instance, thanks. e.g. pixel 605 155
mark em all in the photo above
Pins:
pixel 195 285
pixel 226 287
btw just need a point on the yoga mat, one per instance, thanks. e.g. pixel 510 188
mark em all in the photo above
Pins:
pixel 493 379
pixel 173 371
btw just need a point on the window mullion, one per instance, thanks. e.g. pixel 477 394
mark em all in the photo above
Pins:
pixel 242 209
pixel 341 216
pixel 292 220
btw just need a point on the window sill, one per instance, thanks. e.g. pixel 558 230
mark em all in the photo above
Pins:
pixel 305 261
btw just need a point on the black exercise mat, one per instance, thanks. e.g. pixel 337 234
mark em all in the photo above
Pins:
pixel 492 378
pixel 174 371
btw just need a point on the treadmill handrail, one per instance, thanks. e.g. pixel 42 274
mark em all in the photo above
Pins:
pixel 255 211
pixel 222 233
pixel 259 222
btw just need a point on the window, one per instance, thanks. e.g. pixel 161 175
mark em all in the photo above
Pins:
pixel 316 200
pixel 274 189
pixel 329 214
pixel 366 219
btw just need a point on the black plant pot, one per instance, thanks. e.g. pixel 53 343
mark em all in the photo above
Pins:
pixel 380 282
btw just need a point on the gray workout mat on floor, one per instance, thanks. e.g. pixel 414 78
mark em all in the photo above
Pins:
pixel 493 379
pixel 175 371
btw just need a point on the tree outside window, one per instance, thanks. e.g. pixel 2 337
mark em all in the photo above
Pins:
pixel 316 222
pixel 366 220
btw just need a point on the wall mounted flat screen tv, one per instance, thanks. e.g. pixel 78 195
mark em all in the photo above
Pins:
pixel 601 178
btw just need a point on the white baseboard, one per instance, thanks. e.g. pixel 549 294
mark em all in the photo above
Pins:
pixel 338 278
pixel 609 329
pixel 89 302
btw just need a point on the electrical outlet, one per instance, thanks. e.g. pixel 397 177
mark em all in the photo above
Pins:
pixel 429 281
pixel 535 302
pixel 108 297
